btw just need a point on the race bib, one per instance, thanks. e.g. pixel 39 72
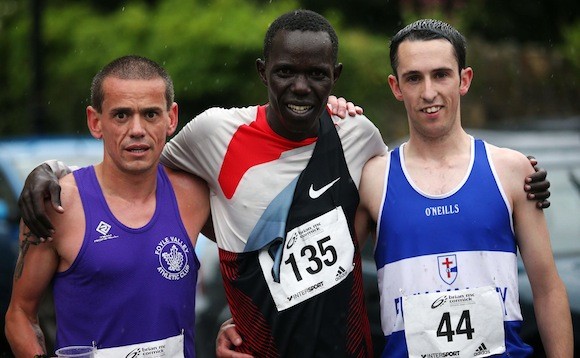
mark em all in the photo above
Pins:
pixel 316 256
pixel 463 323
pixel 171 347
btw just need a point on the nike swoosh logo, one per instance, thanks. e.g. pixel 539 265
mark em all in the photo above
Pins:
pixel 317 193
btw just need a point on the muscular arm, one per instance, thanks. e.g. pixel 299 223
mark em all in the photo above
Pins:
pixel 549 293
pixel 22 327
pixel 41 262
pixel 192 196
pixel 371 193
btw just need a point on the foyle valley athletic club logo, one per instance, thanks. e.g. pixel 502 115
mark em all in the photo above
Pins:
pixel 173 259
pixel 447 268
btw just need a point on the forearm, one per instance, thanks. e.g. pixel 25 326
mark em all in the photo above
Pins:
pixel 555 323
pixel 24 334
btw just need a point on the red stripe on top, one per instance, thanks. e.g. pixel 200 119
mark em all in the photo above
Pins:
pixel 252 145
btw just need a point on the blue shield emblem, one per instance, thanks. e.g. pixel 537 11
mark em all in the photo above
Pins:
pixel 447 268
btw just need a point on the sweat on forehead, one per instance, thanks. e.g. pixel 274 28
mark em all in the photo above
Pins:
pixel 301 20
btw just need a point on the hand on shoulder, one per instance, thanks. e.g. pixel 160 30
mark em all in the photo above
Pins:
pixel 512 168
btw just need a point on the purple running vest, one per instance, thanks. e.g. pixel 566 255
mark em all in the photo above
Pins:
pixel 126 285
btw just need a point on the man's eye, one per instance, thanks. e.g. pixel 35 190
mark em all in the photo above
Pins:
pixel 121 116
pixel 284 72
pixel 318 74
pixel 151 115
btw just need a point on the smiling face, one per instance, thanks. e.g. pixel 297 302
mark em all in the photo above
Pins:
pixel 430 86
pixel 300 73
pixel 134 123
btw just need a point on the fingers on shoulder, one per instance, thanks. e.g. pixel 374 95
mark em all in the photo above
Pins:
pixel 69 191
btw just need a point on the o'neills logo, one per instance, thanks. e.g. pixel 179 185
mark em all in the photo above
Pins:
pixel 442 210
pixel 173 259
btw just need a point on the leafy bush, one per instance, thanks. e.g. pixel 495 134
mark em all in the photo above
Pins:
pixel 210 48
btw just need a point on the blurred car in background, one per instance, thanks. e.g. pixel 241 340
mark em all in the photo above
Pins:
pixel 558 151
pixel 18 156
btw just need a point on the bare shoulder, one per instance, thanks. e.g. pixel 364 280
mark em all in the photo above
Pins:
pixel 192 195
pixel 69 196
pixel 512 168
pixel 375 167
pixel 69 225
pixel 186 183
pixel 506 159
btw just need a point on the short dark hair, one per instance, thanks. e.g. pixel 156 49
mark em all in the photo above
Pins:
pixel 131 67
pixel 301 20
pixel 425 30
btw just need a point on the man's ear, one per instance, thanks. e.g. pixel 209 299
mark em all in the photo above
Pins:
pixel 173 119
pixel 94 122
pixel 337 72
pixel 394 84
pixel 261 67
pixel 466 78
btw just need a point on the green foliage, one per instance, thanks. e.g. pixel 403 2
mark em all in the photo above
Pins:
pixel 210 47
pixel 571 48
pixel 14 62
pixel 364 80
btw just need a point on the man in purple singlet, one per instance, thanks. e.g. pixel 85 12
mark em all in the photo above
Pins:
pixel 122 261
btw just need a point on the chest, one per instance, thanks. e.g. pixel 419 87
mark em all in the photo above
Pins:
pixel 437 179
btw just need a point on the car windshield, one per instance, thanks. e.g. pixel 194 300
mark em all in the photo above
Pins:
pixel 19 156
pixel 562 216
pixel 24 167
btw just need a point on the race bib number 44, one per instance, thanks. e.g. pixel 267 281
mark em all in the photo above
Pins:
pixel 463 323
pixel 316 256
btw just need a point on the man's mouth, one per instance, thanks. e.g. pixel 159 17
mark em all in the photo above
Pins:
pixel 299 109
pixel 432 109
pixel 137 149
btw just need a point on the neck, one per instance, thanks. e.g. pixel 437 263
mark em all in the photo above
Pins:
pixel 454 141
pixel 438 166
pixel 131 187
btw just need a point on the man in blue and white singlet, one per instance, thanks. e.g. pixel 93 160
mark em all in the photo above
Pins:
pixel 449 214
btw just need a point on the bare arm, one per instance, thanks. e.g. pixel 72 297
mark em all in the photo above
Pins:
pixel 22 327
pixel 550 298
pixel 371 193
pixel 192 195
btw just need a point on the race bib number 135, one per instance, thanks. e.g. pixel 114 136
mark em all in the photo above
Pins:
pixel 316 256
